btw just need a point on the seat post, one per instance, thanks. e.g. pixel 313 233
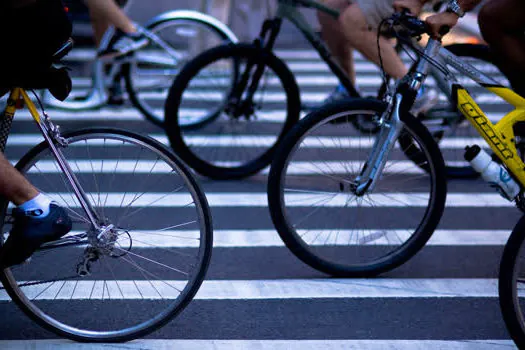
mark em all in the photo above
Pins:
pixel 7 117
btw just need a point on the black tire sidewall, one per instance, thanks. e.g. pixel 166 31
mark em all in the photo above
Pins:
pixel 175 133
pixel 392 260
pixel 206 214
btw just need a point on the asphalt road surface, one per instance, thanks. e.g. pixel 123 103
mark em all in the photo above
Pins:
pixel 258 295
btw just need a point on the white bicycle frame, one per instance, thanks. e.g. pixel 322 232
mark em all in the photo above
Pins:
pixel 98 94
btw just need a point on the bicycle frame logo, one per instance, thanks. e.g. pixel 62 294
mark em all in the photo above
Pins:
pixel 499 137
pixel 486 127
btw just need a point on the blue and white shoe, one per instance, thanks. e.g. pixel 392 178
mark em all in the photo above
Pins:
pixel 30 231
pixel 339 94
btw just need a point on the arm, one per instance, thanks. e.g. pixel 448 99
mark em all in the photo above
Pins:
pixel 449 19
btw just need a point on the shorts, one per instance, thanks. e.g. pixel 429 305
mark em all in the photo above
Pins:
pixel 375 11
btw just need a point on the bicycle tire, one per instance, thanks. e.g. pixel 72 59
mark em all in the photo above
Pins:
pixel 252 159
pixel 39 308
pixel 202 28
pixel 318 219
pixel 507 286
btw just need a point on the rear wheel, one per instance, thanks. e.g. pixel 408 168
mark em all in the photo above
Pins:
pixel 146 264
pixel 241 139
pixel 153 69
pixel 512 284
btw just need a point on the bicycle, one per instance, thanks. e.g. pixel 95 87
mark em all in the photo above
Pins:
pixel 236 139
pixel 324 210
pixel 129 265
pixel 175 37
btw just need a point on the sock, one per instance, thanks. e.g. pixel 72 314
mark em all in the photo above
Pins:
pixel 38 206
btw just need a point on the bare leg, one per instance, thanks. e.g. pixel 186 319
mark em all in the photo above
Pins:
pixel 334 37
pixel 13 185
pixel 359 36
pixel 104 13
pixel 503 27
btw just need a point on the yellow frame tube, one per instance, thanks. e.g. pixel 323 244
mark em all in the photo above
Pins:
pixel 499 137
pixel 14 96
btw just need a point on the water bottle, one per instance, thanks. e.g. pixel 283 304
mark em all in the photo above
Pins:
pixel 495 174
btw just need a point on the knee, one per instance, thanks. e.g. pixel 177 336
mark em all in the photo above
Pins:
pixel 353 23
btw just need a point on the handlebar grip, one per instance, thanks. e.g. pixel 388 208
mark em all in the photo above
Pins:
pixel 444 30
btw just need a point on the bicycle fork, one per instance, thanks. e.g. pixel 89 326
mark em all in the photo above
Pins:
pixel 391 128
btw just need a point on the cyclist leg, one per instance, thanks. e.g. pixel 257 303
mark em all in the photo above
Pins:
pixel 13 185
pixel 36 219
pixel 334 37
pixel 360 27
pixel 502 25
pixel 104 13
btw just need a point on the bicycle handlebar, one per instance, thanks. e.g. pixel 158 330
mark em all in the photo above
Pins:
pixel 414 26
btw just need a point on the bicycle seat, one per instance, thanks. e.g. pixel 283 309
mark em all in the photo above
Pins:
pixel 44 75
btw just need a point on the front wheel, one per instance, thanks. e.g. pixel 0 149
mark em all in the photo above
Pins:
pixel 145 264
pixel 512 284
pixel 325 221
pixel 251 115
pixel 152 70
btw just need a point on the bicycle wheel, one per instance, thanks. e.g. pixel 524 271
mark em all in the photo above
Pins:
pixel 242 138
pixel 147 262
pixel 316 211
pixel 149 76
pixel 448 126
pixel 512 284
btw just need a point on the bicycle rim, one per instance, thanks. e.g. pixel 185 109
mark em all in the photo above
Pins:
pixel 153 69
pixel 141 273
pixel 321 219
pixel 241 139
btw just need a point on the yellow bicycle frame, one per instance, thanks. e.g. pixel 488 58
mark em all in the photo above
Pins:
pixel 500 136
pixel 14 97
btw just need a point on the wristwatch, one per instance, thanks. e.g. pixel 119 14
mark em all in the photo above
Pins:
pixel 453 6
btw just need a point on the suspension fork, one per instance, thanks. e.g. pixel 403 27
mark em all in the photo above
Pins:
pixel 51 136
pixel 390 130
pixel 266 40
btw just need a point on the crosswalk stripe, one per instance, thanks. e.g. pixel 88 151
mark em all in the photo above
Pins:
pixel 131 114
pixel 270 238
pixel 226 344
pixel 312 199
pixel 258 141
pixel 110 166
pixel 87 54
pixel 264 289
pixel 373 80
